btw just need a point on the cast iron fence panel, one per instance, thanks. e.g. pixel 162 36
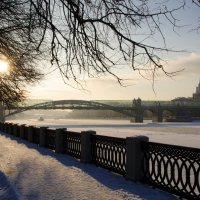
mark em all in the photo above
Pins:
pixel 175 169
pixel 36 135
pixel 50 138
pixel 72 143
pixel 109 153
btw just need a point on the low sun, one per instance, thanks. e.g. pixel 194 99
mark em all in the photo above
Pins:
pixel 3 66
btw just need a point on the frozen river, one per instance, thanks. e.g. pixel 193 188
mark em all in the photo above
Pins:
pixel 185 134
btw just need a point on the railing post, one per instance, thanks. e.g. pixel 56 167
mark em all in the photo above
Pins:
pixel 43 136
pixel 86 146
pixel 10 127
pixel 22 131
pixel 59 140
pixel 15 129
pixel 1 126
pixel 30 133
pixel 134 168
pixel 6 128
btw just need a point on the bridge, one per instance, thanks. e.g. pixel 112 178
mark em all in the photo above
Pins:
pixel 134 111
pixel 174 110
pixel 72 105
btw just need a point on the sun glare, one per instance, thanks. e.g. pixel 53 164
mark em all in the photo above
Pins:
pixel 3 66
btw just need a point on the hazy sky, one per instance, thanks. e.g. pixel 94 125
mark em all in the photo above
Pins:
pixel 165 88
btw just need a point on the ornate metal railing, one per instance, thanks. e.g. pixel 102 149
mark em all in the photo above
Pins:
pixel 50 139
pixel 72 143
pixel 36 135
pixel 173 168
pixel 110 153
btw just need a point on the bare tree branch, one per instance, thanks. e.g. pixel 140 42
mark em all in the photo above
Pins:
pixel 84 37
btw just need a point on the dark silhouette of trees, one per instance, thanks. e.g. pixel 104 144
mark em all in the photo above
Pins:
pixel 83 38
pixel 18 50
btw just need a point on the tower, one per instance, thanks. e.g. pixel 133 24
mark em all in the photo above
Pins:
pixel 196 95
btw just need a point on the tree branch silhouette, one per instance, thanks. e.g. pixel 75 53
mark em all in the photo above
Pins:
pixel 84 37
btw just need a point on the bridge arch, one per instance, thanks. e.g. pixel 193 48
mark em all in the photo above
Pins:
pixel 71 104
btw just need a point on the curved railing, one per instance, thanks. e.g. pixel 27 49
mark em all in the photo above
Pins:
pixel 72 143
pixel 173 168
pixel 110 153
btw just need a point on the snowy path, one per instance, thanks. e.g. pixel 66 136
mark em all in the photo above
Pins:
pixel 40 174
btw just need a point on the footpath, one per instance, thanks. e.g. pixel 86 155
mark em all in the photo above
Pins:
pixel 29 172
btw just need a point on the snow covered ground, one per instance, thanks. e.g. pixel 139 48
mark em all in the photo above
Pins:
pixel 29 172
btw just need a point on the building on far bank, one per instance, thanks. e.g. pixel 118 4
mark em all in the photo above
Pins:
pixel 193 100
pixel 196 95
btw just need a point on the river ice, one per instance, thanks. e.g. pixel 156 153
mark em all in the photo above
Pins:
pixel 185 134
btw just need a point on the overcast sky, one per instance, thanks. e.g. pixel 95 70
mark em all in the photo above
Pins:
pixel 165 88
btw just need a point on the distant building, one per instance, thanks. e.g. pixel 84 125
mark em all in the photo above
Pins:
pixel 196 95
pixel 182 100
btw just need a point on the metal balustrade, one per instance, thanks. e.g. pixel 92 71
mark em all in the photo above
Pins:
pixel 172 168
pixel 72 143
pixel 110 153
pixel 175 169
